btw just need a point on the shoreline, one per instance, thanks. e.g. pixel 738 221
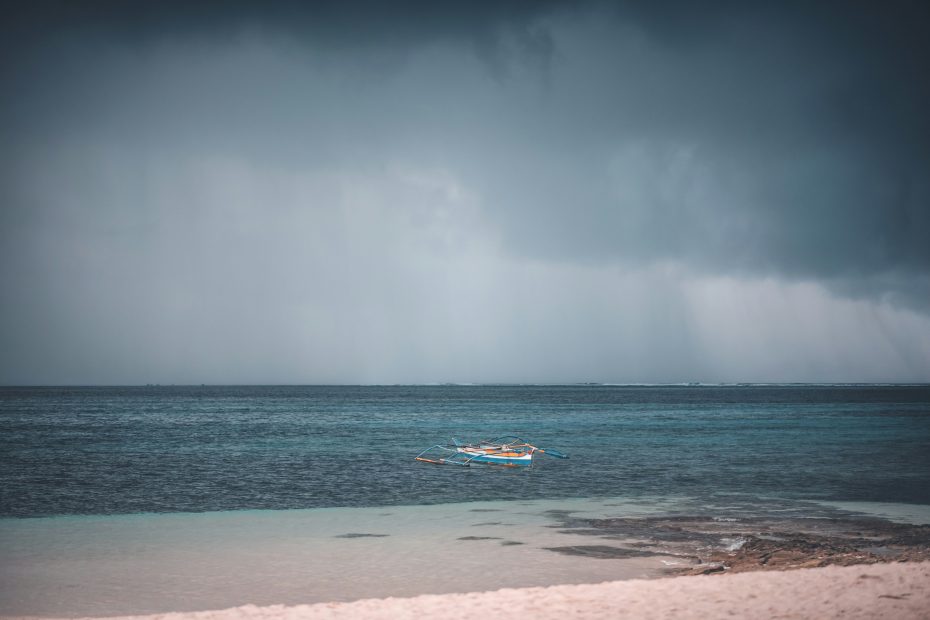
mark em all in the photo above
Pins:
pixel 152 564
pixel 899 590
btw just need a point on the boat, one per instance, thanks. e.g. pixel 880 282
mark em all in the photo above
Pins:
pixel 506 451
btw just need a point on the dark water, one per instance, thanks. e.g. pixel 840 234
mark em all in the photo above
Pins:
pixel 178 449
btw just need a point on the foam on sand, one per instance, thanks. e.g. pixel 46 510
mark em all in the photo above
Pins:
pixel 900 591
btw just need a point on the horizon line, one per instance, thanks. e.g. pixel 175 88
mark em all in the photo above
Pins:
pixel 488 384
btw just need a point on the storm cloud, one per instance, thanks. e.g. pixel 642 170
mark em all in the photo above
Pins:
pixel 416 192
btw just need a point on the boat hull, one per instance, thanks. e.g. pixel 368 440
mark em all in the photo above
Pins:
pixel 507 451
pixel 508 459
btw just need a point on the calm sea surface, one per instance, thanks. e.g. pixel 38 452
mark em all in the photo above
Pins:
pixel 102 450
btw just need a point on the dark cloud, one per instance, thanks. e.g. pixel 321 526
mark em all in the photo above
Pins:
pixel 781 141
pixel 323 24
pixel 164 164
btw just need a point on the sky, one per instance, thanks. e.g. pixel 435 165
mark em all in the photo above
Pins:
pixel 419 192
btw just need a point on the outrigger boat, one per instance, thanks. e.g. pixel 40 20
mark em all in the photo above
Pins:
pixel 507 451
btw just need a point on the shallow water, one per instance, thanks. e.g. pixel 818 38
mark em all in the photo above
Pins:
pixel 150 563
pixel 130 564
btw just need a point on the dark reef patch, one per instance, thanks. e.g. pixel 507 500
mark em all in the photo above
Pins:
pixel 737 544
pixel 601 552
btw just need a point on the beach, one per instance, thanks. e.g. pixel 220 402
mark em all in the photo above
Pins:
pixel 899 590
pixel 126 502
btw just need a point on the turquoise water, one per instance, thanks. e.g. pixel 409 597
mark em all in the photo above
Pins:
pixel 131 564
pixel 66 451
pixel 77 566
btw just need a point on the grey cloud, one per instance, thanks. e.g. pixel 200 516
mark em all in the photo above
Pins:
pixel 805 127
pixel 807 150
pixel 354 187
pixel 325 24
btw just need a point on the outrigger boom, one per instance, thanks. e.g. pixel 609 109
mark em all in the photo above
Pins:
pixel 506 451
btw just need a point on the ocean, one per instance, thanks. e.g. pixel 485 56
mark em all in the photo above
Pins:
pixel 102 450
pixel 164 498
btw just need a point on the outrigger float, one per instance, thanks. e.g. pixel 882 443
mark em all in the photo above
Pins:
pixel 507 451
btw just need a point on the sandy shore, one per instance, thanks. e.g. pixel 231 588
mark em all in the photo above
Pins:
pixel 897 590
